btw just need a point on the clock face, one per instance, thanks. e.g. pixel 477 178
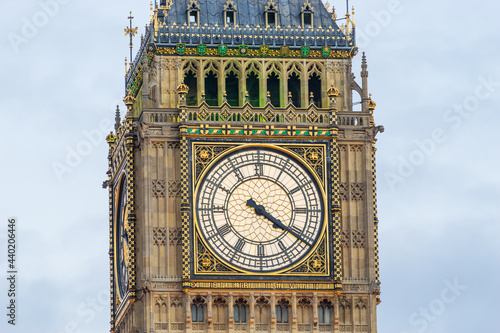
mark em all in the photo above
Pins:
pixel 121 240
pixel 259 209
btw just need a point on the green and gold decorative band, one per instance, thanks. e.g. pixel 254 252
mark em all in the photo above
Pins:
pixel 261 51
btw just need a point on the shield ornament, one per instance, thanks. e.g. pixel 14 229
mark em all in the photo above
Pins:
pixel 180 48
pixel 202 49
pixel 305 50
pixel 284 51
pixel 243 50
pixel 354 51
pixel 264 50
pixel 325 51
pixel 222 50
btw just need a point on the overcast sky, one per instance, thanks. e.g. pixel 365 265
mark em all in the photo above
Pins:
pixel 434 73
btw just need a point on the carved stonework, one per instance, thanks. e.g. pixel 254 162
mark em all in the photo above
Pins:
pixel 344 191
pixel 175 236
pixel 344 303
pixel 155 131
pixel 176 301
pixel 360 304
pixel 357 191
pixel 158 144
pixel 344 239
pixel 358 239
pixel 167 286
pixel 173 145
pixel 158 188
pixel 174 189
pixel 356 148
pixel 172 64
pixel 159 236
pixel 334 67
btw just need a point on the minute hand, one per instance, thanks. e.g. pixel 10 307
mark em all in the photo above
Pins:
pixel 260 210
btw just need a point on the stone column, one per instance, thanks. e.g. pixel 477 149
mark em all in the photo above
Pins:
pixel 315 313
pixel 252 313
pixel 230 315
pixel 294 313
pixel 188 313
pixel 273 312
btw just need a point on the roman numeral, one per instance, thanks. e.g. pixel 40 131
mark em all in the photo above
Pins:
pixel 260 250
pixel 259 169
pixel 297 230
pixel 238 174
pixel 282 247
pixel 218 209
pixel 224 230
pixel 224 189
pixel 295 190
pixel 300 210
pixel 239 244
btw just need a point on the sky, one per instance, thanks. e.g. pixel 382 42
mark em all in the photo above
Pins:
pixel 433 72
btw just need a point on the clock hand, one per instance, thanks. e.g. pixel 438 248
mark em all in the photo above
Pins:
pixel 260 210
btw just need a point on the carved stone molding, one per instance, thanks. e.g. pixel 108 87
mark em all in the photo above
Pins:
pixel 157 144
pixel 357 191
pixel 166 286
pixel 158 188
pixel 175 236
pixel 344 239
pixel 159 236
pixel 174 188
pixel 358 239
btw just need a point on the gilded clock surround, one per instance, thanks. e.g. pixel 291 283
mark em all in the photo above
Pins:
pixel 316 263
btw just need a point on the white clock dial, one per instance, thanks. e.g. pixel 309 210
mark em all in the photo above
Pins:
pixel 259 209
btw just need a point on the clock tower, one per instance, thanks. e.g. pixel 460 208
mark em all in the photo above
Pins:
pixel 242 183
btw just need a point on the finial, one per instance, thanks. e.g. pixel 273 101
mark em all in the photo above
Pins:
pixel 268 97
pixel 129 101
pixel 311 98
pixel 203 95
pixel 332 91
pixel 182 88
pixel 246 97
pixel 225 96
pixel 371 104
pixel 130 32
pixel 117 119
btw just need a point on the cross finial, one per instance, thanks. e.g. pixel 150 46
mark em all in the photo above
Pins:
pixel 131 32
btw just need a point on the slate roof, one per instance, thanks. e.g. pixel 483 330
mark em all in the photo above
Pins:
pixel 250 12
pixel 173 24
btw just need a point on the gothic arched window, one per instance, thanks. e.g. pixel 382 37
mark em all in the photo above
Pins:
pixel 240 311
pixel 282 311
pixel 324 312
pixel 198 310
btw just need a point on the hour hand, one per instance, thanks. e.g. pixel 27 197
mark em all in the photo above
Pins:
pixel 259 210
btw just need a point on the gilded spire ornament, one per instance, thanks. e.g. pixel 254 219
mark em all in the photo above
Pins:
pixel 130 32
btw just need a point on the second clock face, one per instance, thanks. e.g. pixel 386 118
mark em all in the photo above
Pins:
pixel 259 209
pixel 122 241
